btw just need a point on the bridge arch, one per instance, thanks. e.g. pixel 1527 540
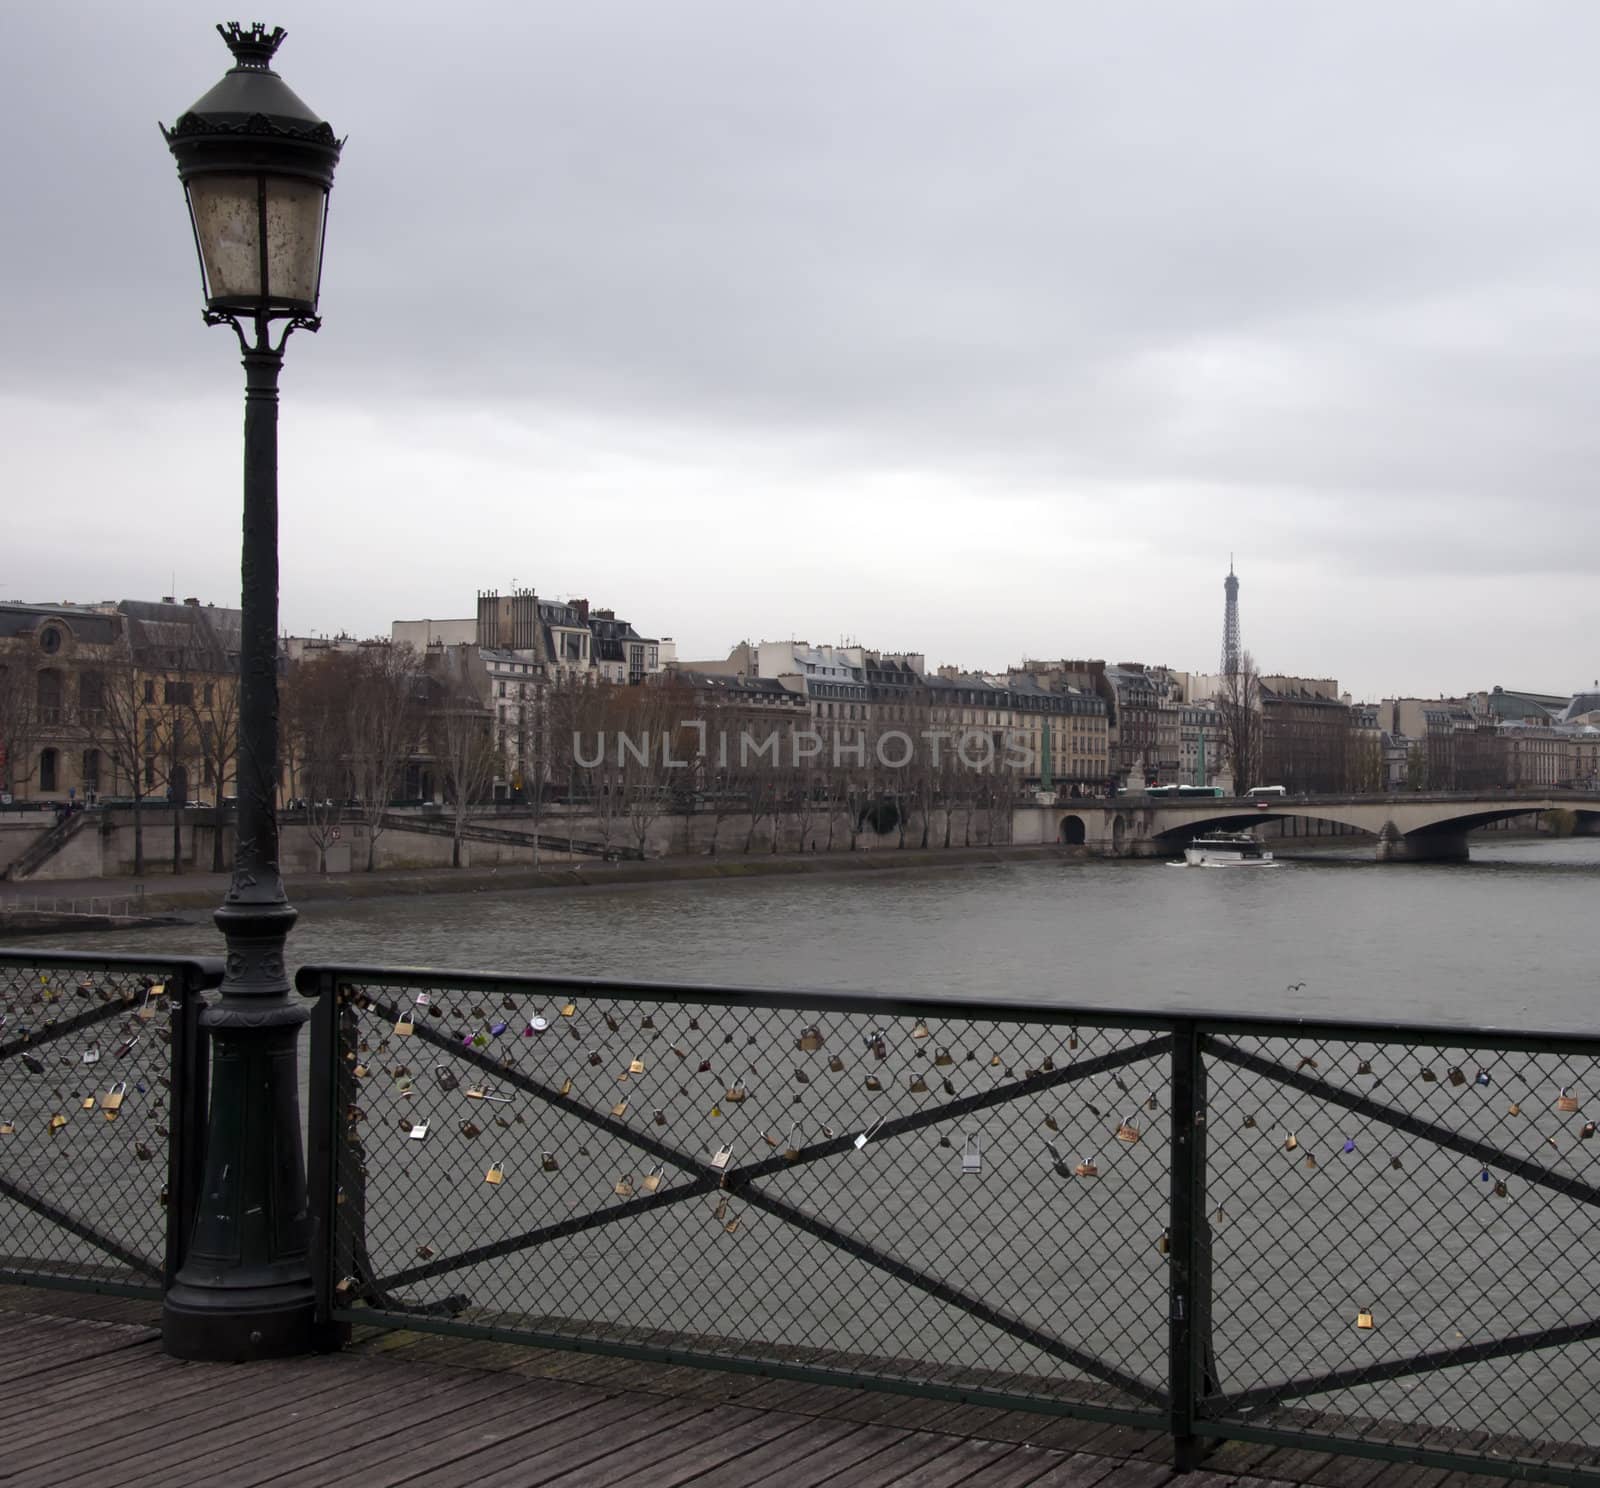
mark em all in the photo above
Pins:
pixel 1072 832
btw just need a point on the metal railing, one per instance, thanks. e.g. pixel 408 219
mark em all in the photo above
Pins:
pixel 102 1117
pixel 1348 1237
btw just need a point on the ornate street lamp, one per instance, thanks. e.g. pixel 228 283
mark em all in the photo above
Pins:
pixel 256 165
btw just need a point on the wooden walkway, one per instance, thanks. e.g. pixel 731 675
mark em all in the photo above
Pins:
pixel 89 1398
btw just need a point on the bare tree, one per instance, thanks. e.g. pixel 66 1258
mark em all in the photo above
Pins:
pixel 19 726
pixel 213 718
pixel 314 716
pixel 1239 703
pixel 132 730
pixel 384 724
pixel 461 739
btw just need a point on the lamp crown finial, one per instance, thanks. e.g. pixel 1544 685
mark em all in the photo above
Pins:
pixel 252 47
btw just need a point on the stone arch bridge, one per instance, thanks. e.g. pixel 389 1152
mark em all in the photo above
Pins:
pixel 1413 827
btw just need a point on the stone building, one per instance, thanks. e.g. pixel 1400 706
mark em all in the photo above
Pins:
pixel 117 699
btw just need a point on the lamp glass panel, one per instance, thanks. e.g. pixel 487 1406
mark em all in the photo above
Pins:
pixel 294 238
pixel 227 220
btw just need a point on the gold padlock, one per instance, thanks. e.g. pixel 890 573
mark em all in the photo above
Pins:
pixel 654 1178
pixel 620 1109
pixel 1363 1320
pixel 1513 1109
pixel 8 1129
pixel 1087 1169
pixel 636 1067
pixel 57 1122
pixel 406 1024
pixel 1311 1160
pixel 835 1064
pixel 734 1094
pixel 941 1058
pixel 1127 1132
pixel 496 1174
pixel 1566 1102
pixel 623 1187
pixel 1164 1244
pixel 918 1086
pixel 87 1103
pixel 810 1039
pixel 920 1031
pixel 874 1083
pixel 1291 1142
pixel 566 1086
pixel 1456 1077
pixel 111 1101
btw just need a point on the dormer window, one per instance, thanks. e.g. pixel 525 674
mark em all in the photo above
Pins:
pixel 50 639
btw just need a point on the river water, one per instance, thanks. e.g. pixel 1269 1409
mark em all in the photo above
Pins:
pixel 1507 939
pixel 1315 1211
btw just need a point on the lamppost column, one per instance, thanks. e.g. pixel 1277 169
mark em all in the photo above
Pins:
pixel 245 1288
pixel 256 166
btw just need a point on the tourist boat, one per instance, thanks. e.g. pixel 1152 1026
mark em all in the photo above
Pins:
pixel 1226 850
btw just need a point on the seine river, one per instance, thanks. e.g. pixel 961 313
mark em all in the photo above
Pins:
pixel 1508 939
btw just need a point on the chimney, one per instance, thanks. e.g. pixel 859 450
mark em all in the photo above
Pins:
pixel 168 599
pixel 193 603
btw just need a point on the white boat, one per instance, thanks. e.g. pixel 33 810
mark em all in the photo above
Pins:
pixel 1226 850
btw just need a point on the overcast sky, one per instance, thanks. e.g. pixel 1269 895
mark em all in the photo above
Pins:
pixel 986 329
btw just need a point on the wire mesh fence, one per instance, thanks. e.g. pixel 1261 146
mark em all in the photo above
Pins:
pixel 1341 1237
pixel 973 1203
pixel 92 1089
pixel 1403 1236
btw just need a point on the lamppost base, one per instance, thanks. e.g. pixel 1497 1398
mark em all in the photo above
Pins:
pixel 237 1324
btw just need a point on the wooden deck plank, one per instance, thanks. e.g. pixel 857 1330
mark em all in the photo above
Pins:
pixel 839 1461
pixel 171 1401
pixel 322 1447
pixel 543 1404
pixel 993 1464
pixel 814 1440
pixel 157 1426
pixel 151 1422
pixel 1080 1470
pixel 687 1454
pixel 911 1459
pixel 546 1449
pixel 101 1379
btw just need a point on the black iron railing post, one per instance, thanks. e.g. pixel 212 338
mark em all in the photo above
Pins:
pixel 1189 1280
pixel 327 1076
pixel 190 1093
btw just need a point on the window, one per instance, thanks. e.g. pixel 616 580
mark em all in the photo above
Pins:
pixel 149 774
pixel 149 690
pixel 205 695
pixel 48 697
pixel 50 640
pixel 177 692
pixel 91 692
pixel 91 769
pixel 47 770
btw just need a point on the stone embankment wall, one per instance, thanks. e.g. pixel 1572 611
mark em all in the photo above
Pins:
pixel 104 847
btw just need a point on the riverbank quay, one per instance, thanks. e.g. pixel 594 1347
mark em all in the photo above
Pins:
pixel 162 895
pixel 430 1412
